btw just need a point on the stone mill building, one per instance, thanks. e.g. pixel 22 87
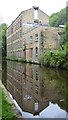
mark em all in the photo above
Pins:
pixel 30 35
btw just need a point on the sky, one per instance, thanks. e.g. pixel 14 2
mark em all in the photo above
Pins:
pixel 10 9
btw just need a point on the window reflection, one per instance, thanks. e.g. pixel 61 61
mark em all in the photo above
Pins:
pixel 36 50
pixel 36 75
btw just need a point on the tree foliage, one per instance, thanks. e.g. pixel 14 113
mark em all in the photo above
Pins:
pixel 58 18
pixel 3 28
pixel 64 36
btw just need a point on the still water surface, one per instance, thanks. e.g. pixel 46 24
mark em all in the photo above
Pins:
pixel 39 91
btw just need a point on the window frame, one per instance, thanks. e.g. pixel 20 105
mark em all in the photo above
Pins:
pixel 36 37
pixel 31 39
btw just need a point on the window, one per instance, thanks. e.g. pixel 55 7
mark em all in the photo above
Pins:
pixel 36 37
pixel 36 49
pixel 30 39
pixel 20 23
pixel 20 33
pixel 11 30
pixel 31 52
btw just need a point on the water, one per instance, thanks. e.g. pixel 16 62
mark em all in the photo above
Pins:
pixel 39 91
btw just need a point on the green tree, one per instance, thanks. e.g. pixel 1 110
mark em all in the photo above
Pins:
pixel 3 28
pixel 0 42
pixel 58 18
pixel 64 36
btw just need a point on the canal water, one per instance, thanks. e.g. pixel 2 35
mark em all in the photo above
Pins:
pixel 39 91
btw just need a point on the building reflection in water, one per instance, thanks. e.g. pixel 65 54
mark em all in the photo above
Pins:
pixel 33 87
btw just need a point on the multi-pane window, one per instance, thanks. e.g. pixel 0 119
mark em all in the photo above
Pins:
pixel 31 39
pixel 36 37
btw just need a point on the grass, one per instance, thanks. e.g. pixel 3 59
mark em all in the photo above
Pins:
pixel 6 112
pixel 0 103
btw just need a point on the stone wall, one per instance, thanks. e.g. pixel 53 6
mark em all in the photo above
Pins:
pixel 51 38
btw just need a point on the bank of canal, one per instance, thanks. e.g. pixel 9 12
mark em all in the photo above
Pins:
pixel 8 110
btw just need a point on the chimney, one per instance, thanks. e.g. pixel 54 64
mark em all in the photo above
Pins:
pixel 35 8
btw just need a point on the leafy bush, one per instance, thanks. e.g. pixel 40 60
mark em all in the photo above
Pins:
pixel 47 57
pixel 58 58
